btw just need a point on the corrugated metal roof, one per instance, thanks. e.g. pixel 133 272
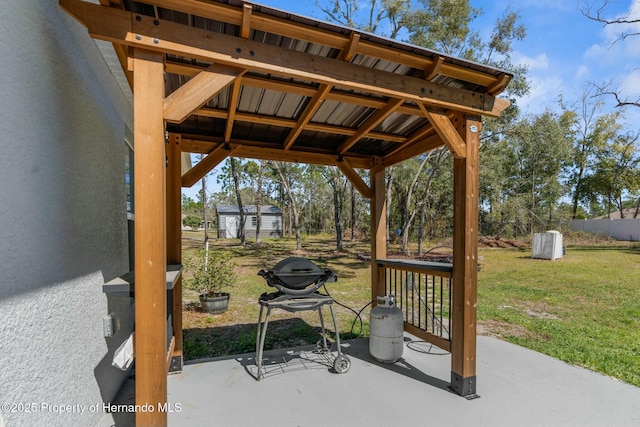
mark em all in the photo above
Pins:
pixel 269 107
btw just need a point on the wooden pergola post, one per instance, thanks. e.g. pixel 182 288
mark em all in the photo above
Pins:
pixel 378 230
pixel 150 238
pixel 174 242
pixel 465 260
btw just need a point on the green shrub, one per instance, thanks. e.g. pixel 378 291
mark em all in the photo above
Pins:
pixel 211 273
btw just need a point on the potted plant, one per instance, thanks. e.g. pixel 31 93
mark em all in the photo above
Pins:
pixel 212 271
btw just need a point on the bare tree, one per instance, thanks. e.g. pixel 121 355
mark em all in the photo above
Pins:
pixel 236 183
pixel 598 12
pixel 280 168
pixel 259 200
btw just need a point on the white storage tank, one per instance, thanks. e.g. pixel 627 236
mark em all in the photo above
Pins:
pixel 547 245
pixel 386 340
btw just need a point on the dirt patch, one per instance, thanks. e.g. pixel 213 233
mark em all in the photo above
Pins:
pixel 497 242
pixel 537 310
pixel 500 329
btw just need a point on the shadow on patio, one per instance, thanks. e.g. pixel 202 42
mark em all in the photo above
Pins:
pixel 516 387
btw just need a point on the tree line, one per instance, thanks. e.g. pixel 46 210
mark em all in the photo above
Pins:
pixel 536 171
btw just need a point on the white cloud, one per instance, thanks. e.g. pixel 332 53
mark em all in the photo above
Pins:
pixel 544 93
pixel 539 62
pixel 614 49
pixel 582 73
pixel 630 84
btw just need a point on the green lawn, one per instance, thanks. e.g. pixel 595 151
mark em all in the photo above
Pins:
pixel 584 308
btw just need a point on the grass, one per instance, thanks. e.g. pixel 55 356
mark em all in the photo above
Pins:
pixel 583 309
pixel 234 332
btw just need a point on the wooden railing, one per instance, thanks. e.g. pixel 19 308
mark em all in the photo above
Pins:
pixel 422 291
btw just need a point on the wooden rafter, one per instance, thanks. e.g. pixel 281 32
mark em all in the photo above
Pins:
pixel 499 85
pixel 171 38
pixel 307 114
pixel 233 105
pixel 371 123
pixel 350 50
pixel 197 91
pixel 245 28
pixel 432 70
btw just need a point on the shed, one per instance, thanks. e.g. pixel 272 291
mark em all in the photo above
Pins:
pixel 229 221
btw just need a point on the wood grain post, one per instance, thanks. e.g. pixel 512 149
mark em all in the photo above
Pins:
pixel 174 241
pixel 465 261
pixel 150 238
pixel 378 230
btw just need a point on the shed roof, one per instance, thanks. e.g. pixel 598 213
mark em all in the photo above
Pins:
pixel 248 210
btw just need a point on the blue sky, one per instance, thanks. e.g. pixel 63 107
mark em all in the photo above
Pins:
pixel 563 50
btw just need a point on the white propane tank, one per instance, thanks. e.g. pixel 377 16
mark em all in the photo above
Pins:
pixel 386 338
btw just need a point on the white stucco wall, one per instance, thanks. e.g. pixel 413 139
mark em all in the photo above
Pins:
pixel 62 216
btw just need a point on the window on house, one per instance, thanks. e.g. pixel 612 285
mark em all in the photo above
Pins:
pixel 128 162
pixel 129 179
pixel 254 221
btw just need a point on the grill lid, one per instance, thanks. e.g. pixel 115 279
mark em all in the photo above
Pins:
pixel 296 272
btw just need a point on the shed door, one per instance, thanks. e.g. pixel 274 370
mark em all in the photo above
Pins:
pixel 232 227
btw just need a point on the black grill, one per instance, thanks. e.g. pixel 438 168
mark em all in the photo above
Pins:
pixel 297 276
pixel 298 280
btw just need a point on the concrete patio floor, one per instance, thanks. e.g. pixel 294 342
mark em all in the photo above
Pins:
pixel 517 387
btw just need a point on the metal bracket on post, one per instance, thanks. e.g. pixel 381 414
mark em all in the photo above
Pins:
pixel 176 365
pixel 465 387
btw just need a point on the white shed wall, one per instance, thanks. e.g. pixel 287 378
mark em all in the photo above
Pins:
pixel 63 227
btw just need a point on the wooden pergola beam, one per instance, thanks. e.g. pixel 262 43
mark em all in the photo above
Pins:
pixel 290 123
pixel 205 165
pixel 411 150
pixel 196 92
pixel 447 131
pixel 287 28
pixel 171 38
pixel 354 178
pixel 296 89
pixel 253 150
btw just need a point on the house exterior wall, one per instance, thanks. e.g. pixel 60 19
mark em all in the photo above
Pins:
pixel 63 225
pixel 271 226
